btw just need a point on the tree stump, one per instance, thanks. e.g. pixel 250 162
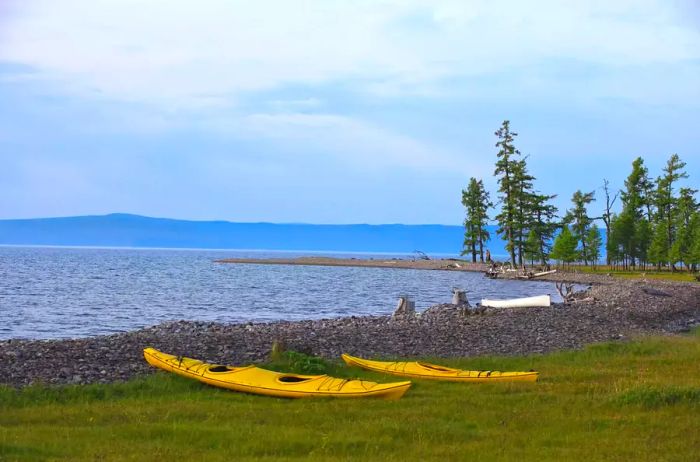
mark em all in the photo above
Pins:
pixel 459 297
pixel 406 308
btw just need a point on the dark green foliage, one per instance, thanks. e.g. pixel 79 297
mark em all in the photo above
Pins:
pixel 682 248
pixel 659 248
pixel 521 209
pixel 505 165
pixel 522 181
pixel 632 232
pixel 542 227
pixel 477 202
pixel 579 220
pixel 594 242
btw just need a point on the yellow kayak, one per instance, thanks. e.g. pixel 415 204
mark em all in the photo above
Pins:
pixel 421 370
pixel 251 379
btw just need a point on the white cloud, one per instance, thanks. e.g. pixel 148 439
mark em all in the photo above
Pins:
pixel 180 53
pixel 352 142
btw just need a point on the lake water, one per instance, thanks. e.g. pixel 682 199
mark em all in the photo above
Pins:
pixel 78 292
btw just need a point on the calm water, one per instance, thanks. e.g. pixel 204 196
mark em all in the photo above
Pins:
pixel 78 292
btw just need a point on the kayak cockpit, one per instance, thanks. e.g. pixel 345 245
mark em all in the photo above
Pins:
pixel 218 368
pixel 294 379
pixel 437 368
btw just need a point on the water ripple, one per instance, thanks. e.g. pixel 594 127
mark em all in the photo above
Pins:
pixel 75 292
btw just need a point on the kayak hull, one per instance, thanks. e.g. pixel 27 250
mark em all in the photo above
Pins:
pixel 421 370
pixel 251 379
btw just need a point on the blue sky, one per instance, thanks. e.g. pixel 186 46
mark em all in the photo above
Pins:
pixel 333 112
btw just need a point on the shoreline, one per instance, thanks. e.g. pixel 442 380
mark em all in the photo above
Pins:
pixel 619 309
pixel 445 264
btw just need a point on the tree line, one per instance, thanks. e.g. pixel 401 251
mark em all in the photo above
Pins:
pixel 658 224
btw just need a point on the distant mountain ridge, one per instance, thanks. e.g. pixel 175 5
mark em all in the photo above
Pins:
pixel 126 230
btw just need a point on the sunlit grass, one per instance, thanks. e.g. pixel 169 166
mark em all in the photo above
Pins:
pixel 612 401
pixel 682 276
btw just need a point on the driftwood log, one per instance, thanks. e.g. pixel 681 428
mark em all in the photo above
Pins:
pixel 566 291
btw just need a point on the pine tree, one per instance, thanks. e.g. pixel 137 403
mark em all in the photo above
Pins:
pixel 476 200
pixel 635 201
pixel 594 241
pixel 522 181
pixel 613 243
pixel 542 226
pixel 666 205
pixel 580 221
pixel 564 248
pixel 643 236
pixel 683 246
pixel 659 248
pixel 694 257
pixel 532 247
pixel 505 165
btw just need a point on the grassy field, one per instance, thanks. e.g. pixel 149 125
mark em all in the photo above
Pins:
pixel 682 276
pixel 617 401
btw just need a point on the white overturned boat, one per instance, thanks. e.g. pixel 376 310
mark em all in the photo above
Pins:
pixel 540 300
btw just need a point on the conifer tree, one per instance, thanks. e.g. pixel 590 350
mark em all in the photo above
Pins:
pixel 614 243
pixel 694 257
pixel 579 220
pixel 659 248
pixel 505 166
pixel 477 201
pixel 522 181
pixel 684 243
pixel 666 205
pixel 532 247
pixel 594 242
pixel 633 232
pixel 564 248
pixel 542 227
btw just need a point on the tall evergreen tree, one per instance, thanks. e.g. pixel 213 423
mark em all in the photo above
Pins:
pixel 635 206
pixel 695 249
pixel 684 243
pixel 507 187
pixel 594 242
pixel 580 221
pixel 614 245
pixel 659 248
pixel 666 205
pixel 522 181
pixel 477 202
pixel 542 227
pixel 532 247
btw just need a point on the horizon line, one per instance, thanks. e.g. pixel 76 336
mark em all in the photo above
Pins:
pixel 300 223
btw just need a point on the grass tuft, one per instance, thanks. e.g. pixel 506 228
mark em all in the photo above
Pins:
pixel 651 397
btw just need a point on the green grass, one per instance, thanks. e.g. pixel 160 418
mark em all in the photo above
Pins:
pixel 614 401
pixel 682 276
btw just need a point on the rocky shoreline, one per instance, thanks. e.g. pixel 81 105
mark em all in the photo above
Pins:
pixel 618 309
